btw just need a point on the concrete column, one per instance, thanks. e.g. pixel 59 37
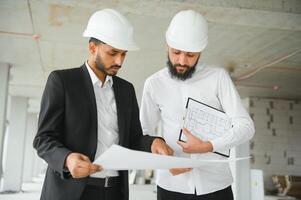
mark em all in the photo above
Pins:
pixel 13 154
pixel 241 169
pixel 241 173
pixel 29 152
pixel 4 78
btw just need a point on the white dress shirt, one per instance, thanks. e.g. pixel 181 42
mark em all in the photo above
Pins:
pixel 107 126
pixel 164 98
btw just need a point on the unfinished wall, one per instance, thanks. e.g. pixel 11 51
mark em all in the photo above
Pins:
pixel 276 146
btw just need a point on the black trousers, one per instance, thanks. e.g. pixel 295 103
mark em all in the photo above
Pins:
pixel 225 194
pixel 93 192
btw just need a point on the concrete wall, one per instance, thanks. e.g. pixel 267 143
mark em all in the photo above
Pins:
pixel 276 146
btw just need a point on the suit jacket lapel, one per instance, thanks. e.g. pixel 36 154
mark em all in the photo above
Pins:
pixel 119 96
pixel 90 100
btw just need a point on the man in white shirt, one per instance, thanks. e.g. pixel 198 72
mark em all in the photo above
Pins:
pixel 164 97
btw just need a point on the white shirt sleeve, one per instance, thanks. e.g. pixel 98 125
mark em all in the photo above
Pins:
pixel 242 125
pixel 149 111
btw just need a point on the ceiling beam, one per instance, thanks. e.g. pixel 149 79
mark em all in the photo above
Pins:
pixel 215 14
pixel 289 6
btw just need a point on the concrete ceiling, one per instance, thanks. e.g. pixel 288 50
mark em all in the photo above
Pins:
pixel 243 35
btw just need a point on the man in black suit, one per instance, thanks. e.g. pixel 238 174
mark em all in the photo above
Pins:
pixel 87 109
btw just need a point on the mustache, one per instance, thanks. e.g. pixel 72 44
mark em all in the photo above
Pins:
pixel 115 66
pixel 179 65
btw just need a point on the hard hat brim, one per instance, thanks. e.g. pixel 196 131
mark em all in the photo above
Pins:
pixel 196 48
pixel 122 45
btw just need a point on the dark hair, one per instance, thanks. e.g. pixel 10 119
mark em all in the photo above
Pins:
pixel 96 41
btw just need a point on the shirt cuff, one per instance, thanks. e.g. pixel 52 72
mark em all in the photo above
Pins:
pixel 221 143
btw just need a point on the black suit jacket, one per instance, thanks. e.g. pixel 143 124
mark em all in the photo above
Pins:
pixel 68 123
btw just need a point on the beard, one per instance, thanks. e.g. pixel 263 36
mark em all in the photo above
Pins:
pixel 107 71
pixel 181 76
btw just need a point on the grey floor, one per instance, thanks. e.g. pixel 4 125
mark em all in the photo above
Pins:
pixel 32 190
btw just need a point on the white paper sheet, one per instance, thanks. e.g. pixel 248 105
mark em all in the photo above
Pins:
pixel 120 158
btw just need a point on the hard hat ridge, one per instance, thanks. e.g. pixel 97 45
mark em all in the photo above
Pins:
pixel 112 28
pixel 187 31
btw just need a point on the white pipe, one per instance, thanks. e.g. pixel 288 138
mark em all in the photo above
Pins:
pixel 258 69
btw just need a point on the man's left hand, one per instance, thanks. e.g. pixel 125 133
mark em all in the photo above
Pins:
pixel 194 144
pixel 160 147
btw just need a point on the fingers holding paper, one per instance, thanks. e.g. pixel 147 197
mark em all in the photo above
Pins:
pixel 80 165
pixel 160 147
pixel 194 144
pixel 177 171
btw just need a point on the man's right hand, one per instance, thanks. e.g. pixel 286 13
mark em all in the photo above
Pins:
pixel 80 165
pixel 177 171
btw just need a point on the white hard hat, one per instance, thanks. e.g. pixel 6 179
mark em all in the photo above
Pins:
pixel 112 28
pixel 187 32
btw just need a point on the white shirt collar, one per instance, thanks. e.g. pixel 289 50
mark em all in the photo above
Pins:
pixel 200 66
pixel 95 79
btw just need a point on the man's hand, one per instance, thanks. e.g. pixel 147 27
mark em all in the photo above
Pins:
pixel 177 171
pixel 194 144
pixel 80 165
pixel 160 147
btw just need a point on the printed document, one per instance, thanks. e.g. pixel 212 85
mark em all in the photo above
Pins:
pixel 205 122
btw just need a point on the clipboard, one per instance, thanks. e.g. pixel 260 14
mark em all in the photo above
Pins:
pixel 202 118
